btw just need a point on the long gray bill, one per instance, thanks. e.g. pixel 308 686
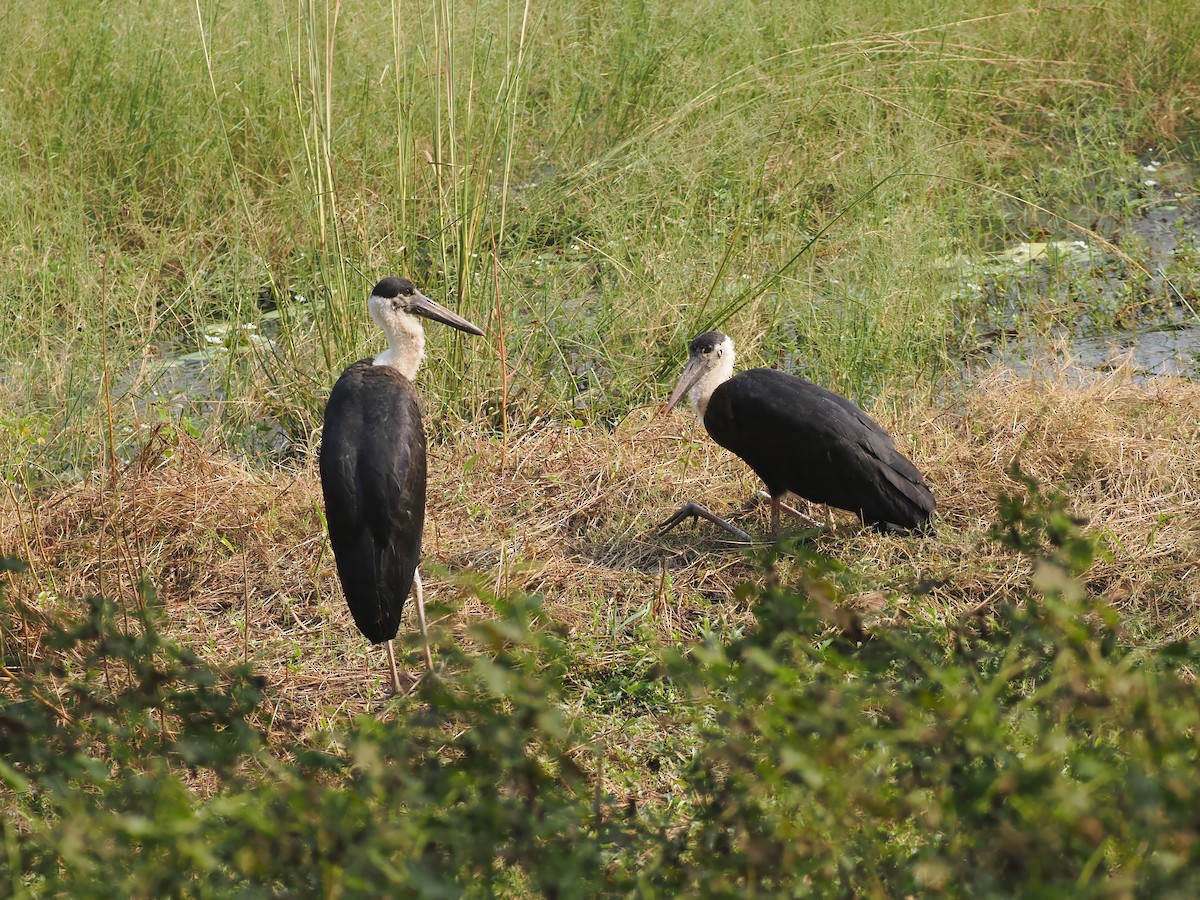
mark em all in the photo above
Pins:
pixel 423 306
pixel 691 374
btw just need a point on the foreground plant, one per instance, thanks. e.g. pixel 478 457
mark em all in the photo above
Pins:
pixel 105 728
pixel 1022 748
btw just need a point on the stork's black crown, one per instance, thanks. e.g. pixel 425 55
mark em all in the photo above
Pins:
pixel 393 287
pixel 706 343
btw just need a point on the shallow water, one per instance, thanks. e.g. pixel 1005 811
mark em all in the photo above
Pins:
pixel 1073 303
pixel 1148 353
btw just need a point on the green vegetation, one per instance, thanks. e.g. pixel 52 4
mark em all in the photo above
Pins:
pixel 194 201
pixel 593 183
pixel 1017 746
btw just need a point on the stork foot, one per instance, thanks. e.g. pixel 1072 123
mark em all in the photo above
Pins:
pixel 693 510
pixel 402 683
pixel 809 521
pixel 395 672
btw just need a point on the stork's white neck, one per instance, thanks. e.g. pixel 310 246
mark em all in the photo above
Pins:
pixel 721 372
pixel 406 338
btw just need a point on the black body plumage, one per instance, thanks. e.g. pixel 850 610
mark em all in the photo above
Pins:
pixel 372 464
pixel 800 437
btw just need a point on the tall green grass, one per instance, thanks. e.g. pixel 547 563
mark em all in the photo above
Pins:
pixel 596 183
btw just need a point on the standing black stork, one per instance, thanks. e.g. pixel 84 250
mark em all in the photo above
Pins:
pixel 373 467
pixel 799 437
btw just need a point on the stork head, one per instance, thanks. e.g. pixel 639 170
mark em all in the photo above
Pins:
pixel 710 363
pixel 394 305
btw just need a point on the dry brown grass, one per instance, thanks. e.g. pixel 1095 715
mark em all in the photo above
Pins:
pixel 570 514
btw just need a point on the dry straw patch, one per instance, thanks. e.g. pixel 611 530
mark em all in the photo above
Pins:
pixel 570 514
pixel 1128 455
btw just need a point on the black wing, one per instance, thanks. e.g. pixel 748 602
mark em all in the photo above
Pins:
pixel 373 478
pixel 803 438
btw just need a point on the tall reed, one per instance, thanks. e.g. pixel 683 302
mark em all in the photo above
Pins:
pixel 604 179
